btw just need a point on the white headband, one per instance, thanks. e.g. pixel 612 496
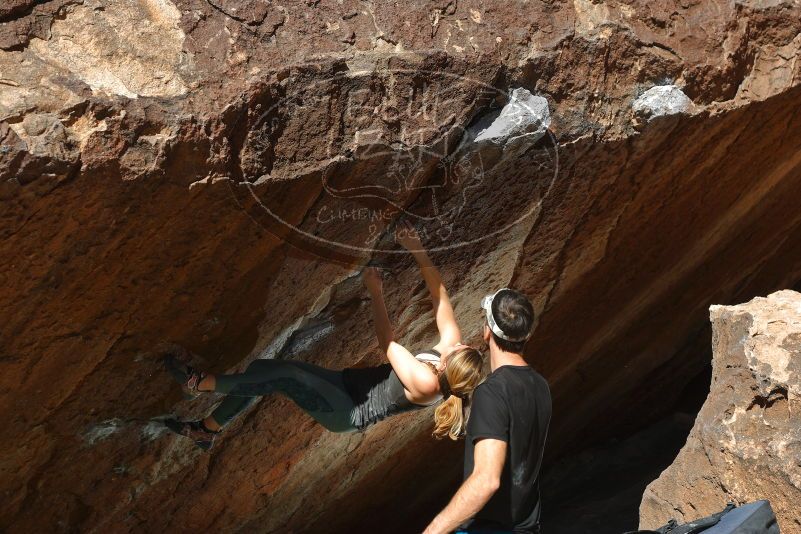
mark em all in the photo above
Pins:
pixel 486 304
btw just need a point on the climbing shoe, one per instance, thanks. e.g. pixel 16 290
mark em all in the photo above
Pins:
pixel 194 430
pixel 187 376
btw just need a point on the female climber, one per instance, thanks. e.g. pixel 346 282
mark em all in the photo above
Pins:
pixel 353 399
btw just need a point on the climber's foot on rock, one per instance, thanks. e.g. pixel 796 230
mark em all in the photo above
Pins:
pixel 187 376
pixel 194 430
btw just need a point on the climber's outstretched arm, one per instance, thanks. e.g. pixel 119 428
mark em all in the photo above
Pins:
pixel 449 333
pixel 413 374
pixel 383 328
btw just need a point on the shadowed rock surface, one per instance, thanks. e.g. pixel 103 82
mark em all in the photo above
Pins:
pixel 201 172
pixel 599 490
pixel 746 442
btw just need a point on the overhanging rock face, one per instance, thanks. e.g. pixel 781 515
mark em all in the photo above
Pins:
pixel 746 442
pixel 208 173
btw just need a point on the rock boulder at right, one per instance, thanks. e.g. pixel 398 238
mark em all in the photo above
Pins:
pixel 746 442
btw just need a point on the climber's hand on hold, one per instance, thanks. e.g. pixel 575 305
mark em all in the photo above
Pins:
pixel 408 237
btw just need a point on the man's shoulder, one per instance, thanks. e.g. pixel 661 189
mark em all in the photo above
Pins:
pixel 506 373
pixel 511 380
pixel 489 387
pixel 494 382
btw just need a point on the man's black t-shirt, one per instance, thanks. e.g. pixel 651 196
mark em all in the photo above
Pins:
pixel 513 405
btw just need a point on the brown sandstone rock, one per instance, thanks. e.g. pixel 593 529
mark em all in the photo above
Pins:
pixel 149 148
pixel 746 442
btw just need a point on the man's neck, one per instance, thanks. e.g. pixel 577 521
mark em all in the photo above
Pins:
pixel 500 358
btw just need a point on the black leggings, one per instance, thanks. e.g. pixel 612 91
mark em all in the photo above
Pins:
pixel 320 392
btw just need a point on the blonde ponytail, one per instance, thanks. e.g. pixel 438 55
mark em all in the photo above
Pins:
pixel 463 372
pixel 449 419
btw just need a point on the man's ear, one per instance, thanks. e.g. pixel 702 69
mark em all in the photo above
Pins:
pixel 487 333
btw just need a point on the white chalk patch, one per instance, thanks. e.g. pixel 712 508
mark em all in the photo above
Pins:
pixel 102 431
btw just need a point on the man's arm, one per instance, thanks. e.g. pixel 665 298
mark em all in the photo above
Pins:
pixel 489 456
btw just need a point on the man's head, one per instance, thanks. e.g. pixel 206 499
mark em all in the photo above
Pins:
pixel 509 319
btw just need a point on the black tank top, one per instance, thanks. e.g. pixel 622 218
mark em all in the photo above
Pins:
pixel 377 393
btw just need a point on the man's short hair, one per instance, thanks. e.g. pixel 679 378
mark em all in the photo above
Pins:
pixel 514 314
